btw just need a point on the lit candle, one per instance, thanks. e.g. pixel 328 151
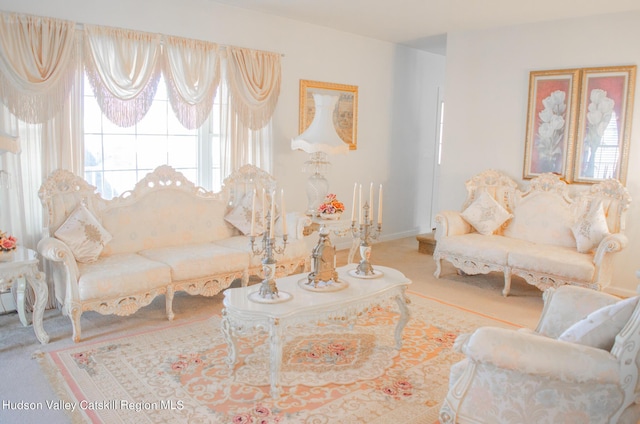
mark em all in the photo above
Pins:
pixel 371 202
pixel 380 205
pixel 253 214
pixel 283 213
pixel 273 214
pixel 360 204
pixel 353 205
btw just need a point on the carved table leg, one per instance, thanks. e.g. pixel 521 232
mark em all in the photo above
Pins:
pixel 20 301
pixel 37 282
pixel 231 341
pixel 402 321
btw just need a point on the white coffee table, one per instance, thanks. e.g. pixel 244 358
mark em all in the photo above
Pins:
pixel 242 317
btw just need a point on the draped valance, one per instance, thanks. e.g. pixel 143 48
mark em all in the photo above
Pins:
pixel 37 65
pixel 38 57
pixel 254 81
pixel 123 69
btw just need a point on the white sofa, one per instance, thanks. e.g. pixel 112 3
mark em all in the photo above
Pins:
pixel 166 235
pixel 550 234
pixel 579 365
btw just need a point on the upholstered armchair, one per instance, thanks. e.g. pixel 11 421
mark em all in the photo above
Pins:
pixel 580 365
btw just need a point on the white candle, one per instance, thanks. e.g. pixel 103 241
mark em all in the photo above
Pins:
pixel 253 214
pixel 353 204
pixel 273 214
pixel 371 202
pixel 360 204
pixel 283 213
pixel 380 205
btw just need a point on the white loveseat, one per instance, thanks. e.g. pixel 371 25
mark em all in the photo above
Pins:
pixel 579 365
pixel 550 234
pixel 165 235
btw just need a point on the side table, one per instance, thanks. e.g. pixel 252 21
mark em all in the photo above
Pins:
pixel 22 268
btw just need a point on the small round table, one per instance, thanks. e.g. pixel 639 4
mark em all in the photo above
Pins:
pixel 21 267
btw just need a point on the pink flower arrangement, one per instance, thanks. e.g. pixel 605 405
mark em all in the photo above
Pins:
pixel 7 243
pixel 331 205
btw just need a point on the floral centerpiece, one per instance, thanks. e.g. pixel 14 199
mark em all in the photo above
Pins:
pixel 331 208
pixel 7 244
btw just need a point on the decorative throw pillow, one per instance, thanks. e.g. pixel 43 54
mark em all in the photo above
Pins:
pixel 600 328
pixel 590 228
pixel 240 215
pixel 485 214
pixel 84 235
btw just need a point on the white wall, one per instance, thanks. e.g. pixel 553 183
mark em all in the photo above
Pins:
pixel 486 103
pixel 397 89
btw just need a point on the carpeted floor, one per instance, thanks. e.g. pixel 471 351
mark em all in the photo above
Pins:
pixel 23 380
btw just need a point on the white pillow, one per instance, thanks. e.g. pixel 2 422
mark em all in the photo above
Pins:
pixel 240 215
pixel 485 214
pixel 600 328
pixel 590 228
pixel 84 235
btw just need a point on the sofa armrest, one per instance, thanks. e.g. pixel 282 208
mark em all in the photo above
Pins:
pixel 451 223
pixel 296 221
pixel 611 243
pixel 542 356
pixel 66 281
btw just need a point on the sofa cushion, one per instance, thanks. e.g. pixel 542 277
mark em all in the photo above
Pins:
pixel 491 248
pixel 485 214
pixel 554 260
pixel 193 261
pixel 84 235
pixel 543 217
pixel 590 227
pixel 296 248
pixel 121 275
pixel 600 328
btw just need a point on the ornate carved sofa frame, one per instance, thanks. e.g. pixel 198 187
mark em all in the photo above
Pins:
pixel 167 235
pixel 537 244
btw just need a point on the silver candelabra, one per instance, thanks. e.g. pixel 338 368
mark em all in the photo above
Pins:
pixel 268 291
pixel 366 232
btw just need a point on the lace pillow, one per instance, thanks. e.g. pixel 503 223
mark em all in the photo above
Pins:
pixel 590 228
pixel 600 328
pixel 240 215
pixel 84 235
pixel 485 214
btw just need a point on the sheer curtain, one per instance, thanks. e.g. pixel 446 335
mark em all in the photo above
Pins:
pixel 39 74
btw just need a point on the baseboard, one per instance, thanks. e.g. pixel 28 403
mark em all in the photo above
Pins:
pixel 616 291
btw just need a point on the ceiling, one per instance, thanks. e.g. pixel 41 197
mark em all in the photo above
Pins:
pixel 423 24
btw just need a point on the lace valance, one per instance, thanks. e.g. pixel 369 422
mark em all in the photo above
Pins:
pixel 37 65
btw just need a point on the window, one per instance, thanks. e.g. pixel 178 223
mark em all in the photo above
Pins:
pixel 116 158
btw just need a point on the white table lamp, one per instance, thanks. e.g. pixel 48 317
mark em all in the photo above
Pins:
pixel 319 140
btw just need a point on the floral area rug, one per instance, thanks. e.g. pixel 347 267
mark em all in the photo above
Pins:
pixel 329 374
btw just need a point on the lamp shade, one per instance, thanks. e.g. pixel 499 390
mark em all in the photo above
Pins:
pixel 9 144
pixel 321 136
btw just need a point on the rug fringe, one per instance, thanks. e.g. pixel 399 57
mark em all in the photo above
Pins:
pixel 59 385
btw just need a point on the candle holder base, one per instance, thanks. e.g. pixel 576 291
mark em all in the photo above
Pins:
pixel 323 286
pixel 279 297
pixel 358 274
